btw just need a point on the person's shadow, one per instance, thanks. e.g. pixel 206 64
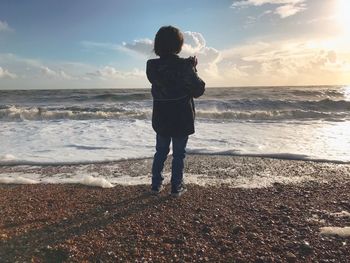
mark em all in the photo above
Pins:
pixel 24 246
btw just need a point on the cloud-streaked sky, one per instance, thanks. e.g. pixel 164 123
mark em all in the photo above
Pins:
pixel 104 44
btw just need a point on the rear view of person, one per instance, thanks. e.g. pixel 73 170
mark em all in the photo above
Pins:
pixel 174 85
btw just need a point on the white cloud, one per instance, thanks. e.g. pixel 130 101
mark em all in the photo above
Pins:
pixel 289 62
pixel 289 10
pixel 144 46
pixel 4 73
pixel 263 2
pixel 28 68
pixel 48 72
pixel 283 63
pixel 285 8
pixel 55 74
pixel 32 70
pixel 193 42
pixel 262 63
pixel 4 26
pixel 194 45
pixel 109 72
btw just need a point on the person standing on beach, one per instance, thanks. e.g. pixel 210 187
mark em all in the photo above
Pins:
pixel 174 85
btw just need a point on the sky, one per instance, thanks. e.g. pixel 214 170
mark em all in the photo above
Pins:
pixel 54 44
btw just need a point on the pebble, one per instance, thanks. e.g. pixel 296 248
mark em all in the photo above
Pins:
pixel 305 248
pixel 181 224
pixel 238 229
pixel 290 257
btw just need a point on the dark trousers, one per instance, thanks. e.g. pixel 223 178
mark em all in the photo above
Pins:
pixel 162 150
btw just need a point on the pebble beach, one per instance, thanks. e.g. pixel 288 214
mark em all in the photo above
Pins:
pixel 236 209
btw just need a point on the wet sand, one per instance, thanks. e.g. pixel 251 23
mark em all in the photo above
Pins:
pixel 235 221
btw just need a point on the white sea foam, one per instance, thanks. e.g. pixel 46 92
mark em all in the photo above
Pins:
pixel 17 180
pixel 57 179
pixel 82 176
pixel 7 158
pixel 88 180
pixel 131 180
pixel 256 181
pixel 339 231
pixel 85 141
pixel 74 126
pixel 242 109
pixel 14 113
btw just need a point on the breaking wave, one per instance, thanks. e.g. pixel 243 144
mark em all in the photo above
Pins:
pixel 14 113
pixel 272 115
pixel 206 111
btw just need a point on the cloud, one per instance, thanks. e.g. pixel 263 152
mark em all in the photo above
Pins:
pixel 36 74
pixel 263 2
pixel 193 42
pixel 55 74
pixel 4 26
pixel 109 72
pixel 292 62
pixel 285 8
pixel 64 71
pixel 48 72
pixel 143 46
pixel 194 45
pixel 4 73
pixel 138 47
pixel 283 63
pixel 289 10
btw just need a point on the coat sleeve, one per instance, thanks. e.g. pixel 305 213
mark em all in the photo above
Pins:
pixel 194 84
pixel 149 71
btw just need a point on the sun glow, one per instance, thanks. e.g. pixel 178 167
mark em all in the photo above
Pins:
pixel 343 15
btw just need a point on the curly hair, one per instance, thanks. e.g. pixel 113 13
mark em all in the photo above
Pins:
pixel 168 40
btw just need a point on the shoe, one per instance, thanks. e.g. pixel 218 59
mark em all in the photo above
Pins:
pixel 178 191
pixel 156 190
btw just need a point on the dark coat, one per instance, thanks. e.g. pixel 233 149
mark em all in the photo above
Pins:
pixel 174 85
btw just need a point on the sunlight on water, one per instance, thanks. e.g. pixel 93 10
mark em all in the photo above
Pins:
pixel 347 93
pixel 334 139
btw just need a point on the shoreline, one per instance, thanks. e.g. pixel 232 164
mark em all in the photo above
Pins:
pixel 203 169
pixel 278 221
pixel 277 156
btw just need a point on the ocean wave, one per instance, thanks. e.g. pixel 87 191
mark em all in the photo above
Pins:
pixel 14 113
pixel 67 95
pixel 262 109
pixel 337 93
pixel 271 115
pixel 328 104
pixel 269 104
pixel 119 97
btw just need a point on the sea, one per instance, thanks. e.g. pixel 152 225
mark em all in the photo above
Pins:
pixel 67 126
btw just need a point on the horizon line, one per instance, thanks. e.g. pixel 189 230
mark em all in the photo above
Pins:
pixel 211 87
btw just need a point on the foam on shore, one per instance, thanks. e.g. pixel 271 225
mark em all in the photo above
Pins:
pixel 84 180
pixel 255 181
pixel 203 170
pixel 17 180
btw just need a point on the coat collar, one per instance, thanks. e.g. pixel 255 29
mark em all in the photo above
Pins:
pixel 169 56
